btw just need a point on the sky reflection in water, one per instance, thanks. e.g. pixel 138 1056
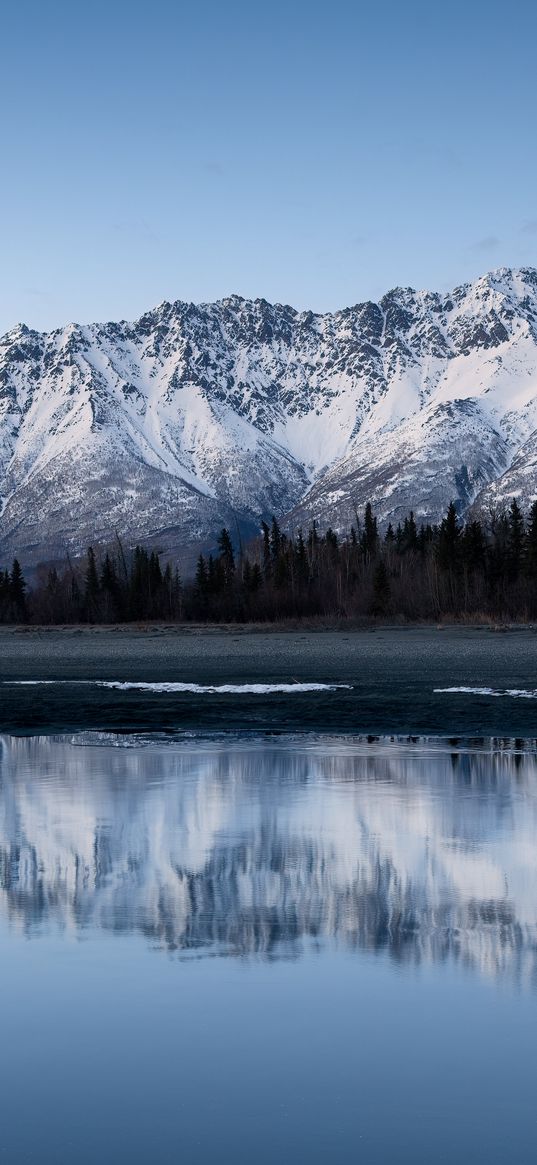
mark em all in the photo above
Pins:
pixel 373 910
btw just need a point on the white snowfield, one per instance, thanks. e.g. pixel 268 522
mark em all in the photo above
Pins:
pixel 193 417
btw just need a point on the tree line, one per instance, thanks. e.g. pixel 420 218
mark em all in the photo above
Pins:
pixel 476 569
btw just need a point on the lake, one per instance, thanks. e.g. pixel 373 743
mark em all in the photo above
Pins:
pixel 445 681
pixel 238 949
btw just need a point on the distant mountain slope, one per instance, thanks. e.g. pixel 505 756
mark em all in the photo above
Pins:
pixel 192 417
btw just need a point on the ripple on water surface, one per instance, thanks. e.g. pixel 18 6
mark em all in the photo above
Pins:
pixel 252 949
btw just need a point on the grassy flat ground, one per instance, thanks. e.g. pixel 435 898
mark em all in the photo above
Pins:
pixel 392 672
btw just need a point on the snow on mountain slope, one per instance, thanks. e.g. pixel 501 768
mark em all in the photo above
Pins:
pixel 449 450
pixel 458 412
pixel 198 416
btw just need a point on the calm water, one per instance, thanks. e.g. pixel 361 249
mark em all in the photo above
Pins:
pixel 246 951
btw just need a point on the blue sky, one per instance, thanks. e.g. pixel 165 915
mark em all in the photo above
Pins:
pixel 314 154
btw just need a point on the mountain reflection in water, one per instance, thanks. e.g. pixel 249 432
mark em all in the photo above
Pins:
pixel 254 848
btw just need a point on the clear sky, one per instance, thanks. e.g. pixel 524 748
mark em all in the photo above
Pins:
pixel 311 153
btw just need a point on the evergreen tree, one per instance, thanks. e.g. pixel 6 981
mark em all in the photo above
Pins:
pixel 168 592
pixel 201 577
pixel 155 574
pixel 301 558
pixel 109 586
pixel 448 541
pixel 267 560
pixel 17 590
pixel 281 571
pixel 215 576
pixel 275 540
pixel 370 536
pixel 226 557
pixel 410 534
pixel 331 540
pixel 139 586
pixel 515 540
pixel 91 586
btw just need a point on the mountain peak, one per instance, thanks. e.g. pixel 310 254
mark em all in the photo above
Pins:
pixel 198 416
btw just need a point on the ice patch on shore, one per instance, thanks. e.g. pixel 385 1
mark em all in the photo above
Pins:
pixel 220 689
pixel 194 689
pixel 516 693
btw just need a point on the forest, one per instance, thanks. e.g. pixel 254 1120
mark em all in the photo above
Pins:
pixel 478 570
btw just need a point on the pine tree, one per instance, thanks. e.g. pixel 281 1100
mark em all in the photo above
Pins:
pixel 110 590
pixel 108 575
pixel 275 540
pixel 411 532
pixel 370 536
pixel 332 543
pixel 201 580
pixel 226 557
pixel 449 539
pixel 17 590
pixel 139 588
pixel 267 564
pixel 301 558
pixel 215 576
pixel 515 544
pixel 155 575
pixel 91 585
pixel 178 592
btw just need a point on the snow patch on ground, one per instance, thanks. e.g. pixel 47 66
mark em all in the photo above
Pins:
pixel 516 693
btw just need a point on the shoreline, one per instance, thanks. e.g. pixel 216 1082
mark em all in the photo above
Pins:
pixel 290 627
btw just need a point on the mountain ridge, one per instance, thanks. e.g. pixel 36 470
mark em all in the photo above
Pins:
pixel 196 416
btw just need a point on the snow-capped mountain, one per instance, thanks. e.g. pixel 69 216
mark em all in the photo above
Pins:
pixel 193 417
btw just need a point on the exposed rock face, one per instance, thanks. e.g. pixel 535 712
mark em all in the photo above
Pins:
pixel 193 417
